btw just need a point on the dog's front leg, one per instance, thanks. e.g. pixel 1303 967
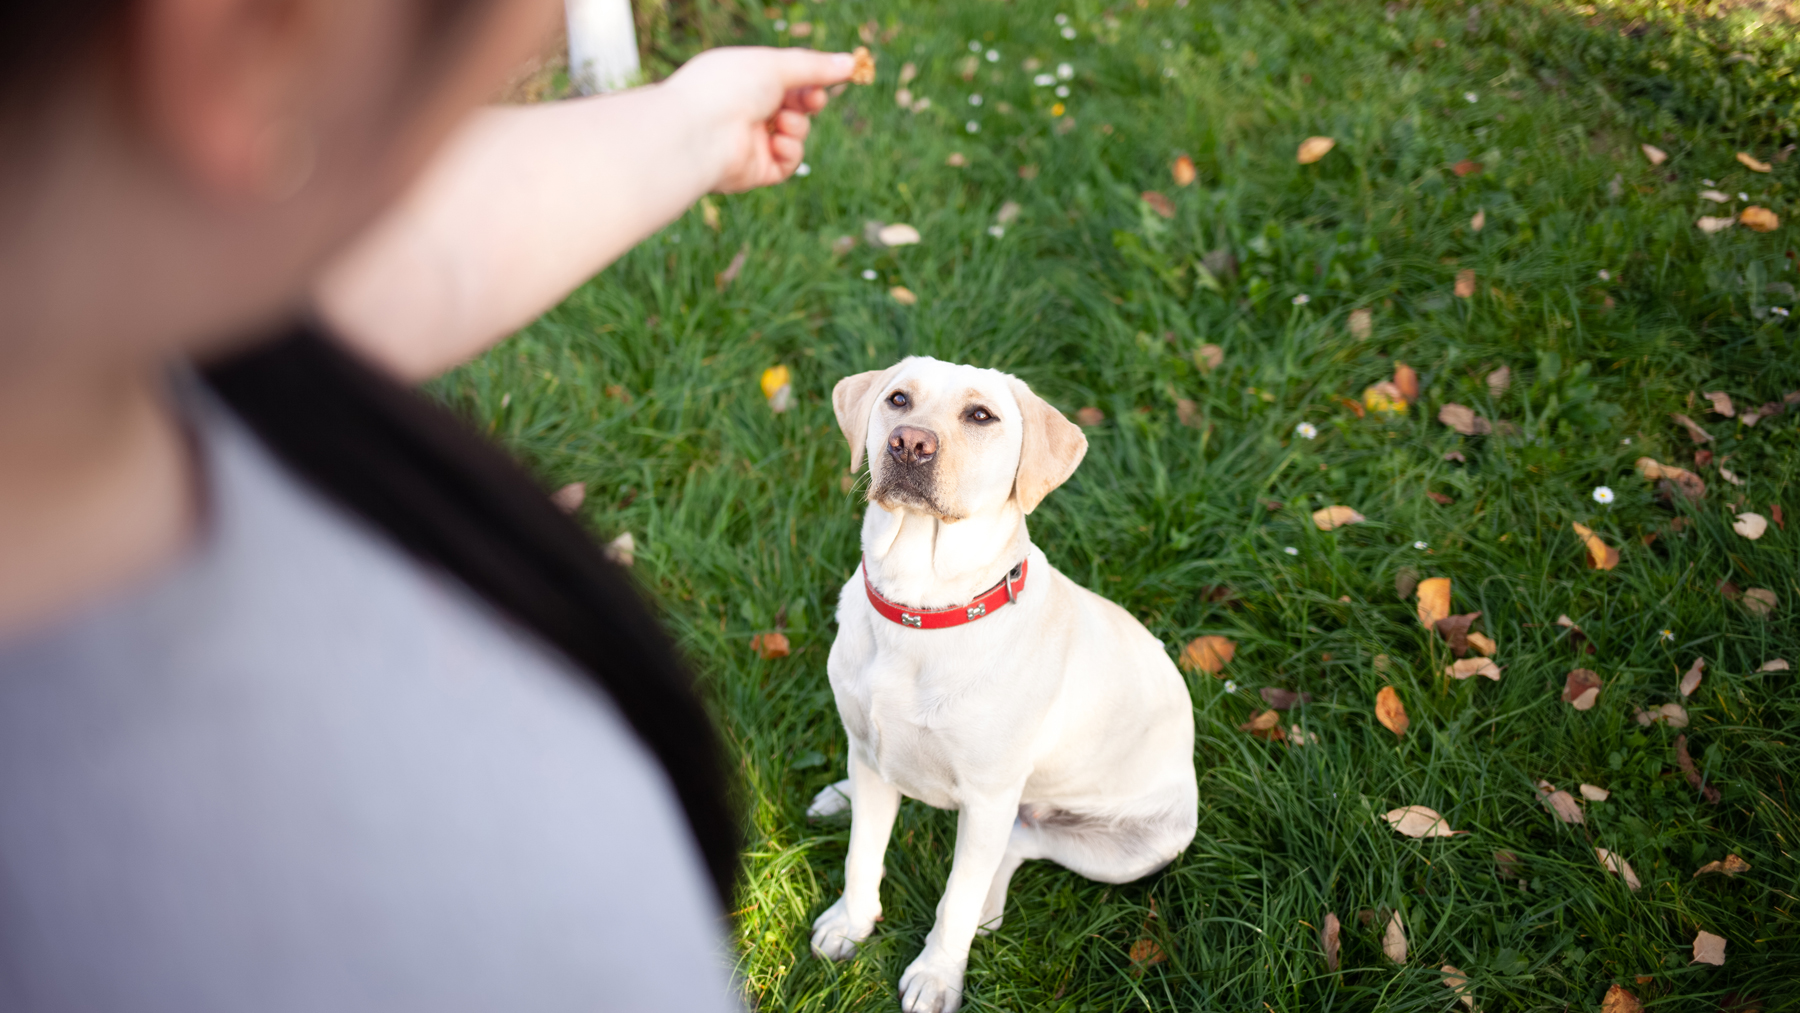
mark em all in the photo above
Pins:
pixel 873 805
pixel 934 982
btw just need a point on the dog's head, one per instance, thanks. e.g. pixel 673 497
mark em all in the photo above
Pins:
pixel 954 441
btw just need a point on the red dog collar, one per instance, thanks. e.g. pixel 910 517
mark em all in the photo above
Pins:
pixel 984 604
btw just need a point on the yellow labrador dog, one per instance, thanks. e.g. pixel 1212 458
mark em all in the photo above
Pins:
pixel 972 676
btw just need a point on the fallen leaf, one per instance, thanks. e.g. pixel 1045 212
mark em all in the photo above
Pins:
pixel 862 71
pixel 956 160
pixel 621 550
pixel 1483 644
pixel 1384 397
pixel 1297 736
pixel 1595 793
pixel 1760 602
pixel 1455 630
pixel 1581 688
pixel 1692 772
pixel 1601 556
pixel 1008 211
pixel 1731 866
pixel 1419 821
pixel 1208 654
pixel 1774 665
pixel 1708 948
pixel 1750 525
pixel 1689 484
pixel 1691 680
pixel 709 213
pixel 568 498
pixel 1498 381
pixel 908 71
pixel 1729 590
pixel 1457 983
pixel 1183 171
pixel 1187 412
pixel 1509 864
pixel 1434 601
pixel 1390 711
pixel 1619 867
pixel 1089 416
pixel 1406 379
pixel 1671 714
pixel 1314 148
pixel 1759 219
pixel 1479 221
pixel 1751 163
pixel 1282 699
pixel 1439 498
pixel 1144 953
pixel 723 279
pixel 1775 512
pixel 1694 429
pixel 1560 802
pixel 1328 941
pixel 1702 458
pixel 1457 456
pixel 1362 323
pixel 1159 203
pixel 1721 403
pixel 1465 283
pixel 1405 582
pixel 903 295
pixel 1474 666
pixel 1393 939
pixel 1618 1000
pixel 898 234
pixel 1466 168
pixel 1332 517
pixel 842 245
pixel 1716 196
pixel 1266 725
pixel 1713 223
pixel 1464 420
pixel 1656 155
pixel 1209 357
pixel 770 646
pixel 1730 476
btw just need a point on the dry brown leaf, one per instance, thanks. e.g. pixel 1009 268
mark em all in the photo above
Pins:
pixel 1456 982
pixel 1656 155
pixel 1208 654
pixel 1498 381
pixel 1008 211
pixel 1595 793
pixel 1089 416
pixel 770 646
pixel 1314 148
pixel 568 499
pixel 1464 420
pixel 903 295
pixel 1714 223
pixel 1332 517
pixel 1759 219
pixel 1477 223
pixel 1362 323
pixel 1455 455
pixel 1692 772
pixel 1474 666
pixel 1407 380
pixel 1159 203
pixel 1183 171
pixel 621 550
pixel 1694 429
pixel 1774 665
pixel 1716 196
pixel 1390 711
pixel 1439 498
pixel 1750 162
pixel 1709 949
pixel 1760 602
pixel 1145 953
pixel 1617 999
pixel 1266 725
pixel 1209 357
pixel 1721 403
pixel 1434 601
pixel 1686 482
pixel 956 160
pixel 1483 644
pixel 1465 283
pixel 1329 941
pixel 1419 821
pixel 1750 525
pixel 1393 939
pixel 1691 680
pixel 1187 412
pixel 1670 713
pixel 898 234
pixel 1581 688
pixel 1466 168
pixel 1382 663
pixel 1619 867
pixel 1282 699
pixel 1455 630
pixel 723 279
pixel 1510 866
pixel 862 71
pixel 1560 802
pixel 1405 582
pixel 1601 556
pixel 1731 866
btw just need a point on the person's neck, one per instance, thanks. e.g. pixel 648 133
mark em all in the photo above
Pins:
pixel 98 487
pixel 917 559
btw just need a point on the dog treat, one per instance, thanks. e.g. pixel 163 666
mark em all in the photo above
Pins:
pixel 864 71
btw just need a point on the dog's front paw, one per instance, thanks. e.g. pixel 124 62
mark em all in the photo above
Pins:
pixel 836 932
pixel 932 985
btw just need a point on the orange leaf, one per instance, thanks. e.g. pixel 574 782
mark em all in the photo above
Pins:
pixel 1601 556
pixel 1752 163
pixel 1209 654
pixel 1434 601
pixel 1760 219
pixel 1390 711
pixel 1465 283
pixel 1314 148
pixel 1183 171
pixel 1581 688
pixel 1335 517
pixel 1617 999
pixel 1407 380
pixel 770 645
pixel 1466 168
pixel 862 71
pixel 1159 203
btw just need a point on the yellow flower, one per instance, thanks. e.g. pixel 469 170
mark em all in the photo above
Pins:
pixel 1385 398
pixel 773 379
pixel 1057 109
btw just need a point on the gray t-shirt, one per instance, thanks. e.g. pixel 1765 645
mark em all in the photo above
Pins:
pixel 298 771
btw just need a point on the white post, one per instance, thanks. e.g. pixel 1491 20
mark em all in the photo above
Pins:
pixel 603 54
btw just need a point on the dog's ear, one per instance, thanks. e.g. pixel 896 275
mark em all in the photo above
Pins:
pixel 853 399
pixel 1052 449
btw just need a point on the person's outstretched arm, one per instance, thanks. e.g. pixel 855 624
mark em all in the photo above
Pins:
pixel 525 203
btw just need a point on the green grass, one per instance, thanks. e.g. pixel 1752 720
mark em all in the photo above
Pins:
pixel 644 385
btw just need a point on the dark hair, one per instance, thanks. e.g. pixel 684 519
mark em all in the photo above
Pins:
pixel 454 501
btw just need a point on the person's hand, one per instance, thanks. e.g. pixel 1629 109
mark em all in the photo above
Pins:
pixel 750 109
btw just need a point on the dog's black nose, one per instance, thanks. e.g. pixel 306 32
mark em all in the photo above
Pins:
pixel 911 445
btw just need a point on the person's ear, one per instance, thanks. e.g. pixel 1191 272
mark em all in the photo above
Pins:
pixel 854 400
pixel 1051 450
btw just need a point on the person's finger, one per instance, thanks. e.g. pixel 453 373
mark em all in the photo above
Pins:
pixel 805 100
pixel 787 153
pixel 793 124
pixel 808 68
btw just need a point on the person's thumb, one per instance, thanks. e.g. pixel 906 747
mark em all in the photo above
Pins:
pixel 809 68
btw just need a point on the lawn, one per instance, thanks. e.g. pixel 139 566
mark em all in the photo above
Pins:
pixel 1591 284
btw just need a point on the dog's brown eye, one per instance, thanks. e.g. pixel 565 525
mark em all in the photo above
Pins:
pixel 897 399
pixel 980 414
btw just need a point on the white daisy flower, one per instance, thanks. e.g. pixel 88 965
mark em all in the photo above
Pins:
pixel 1290 550
pixel 1044 80
pixel 1062 19
pixel 1065 71
pixel 1708 182
pixel 1421 545
pixel 1743 196
pixel 1605 275
pixel 993 56
pixel 974 47
pixel 975 99
pixel 1230 686
pixel 1062 91
pixel 1068 33
pixel 1306 431
pixel 1626 442
pixel 780 24
pixel 996 231
pixel 1471 97
pixel 1302 299
pixel 802 169
pixel 972 127
pixel 869 274
pixel 1603 494
pixel 1667 634
pixel 1780 311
